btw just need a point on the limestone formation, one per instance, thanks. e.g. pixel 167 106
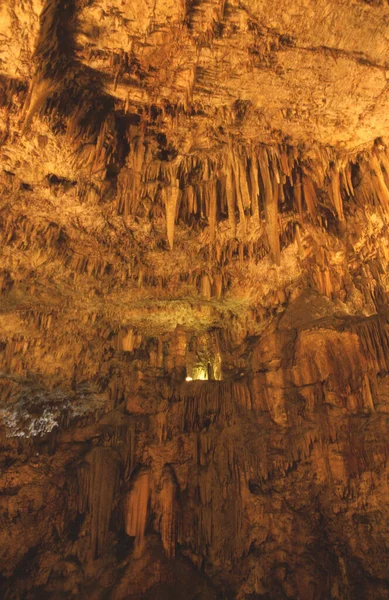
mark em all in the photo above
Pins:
pixel 194 293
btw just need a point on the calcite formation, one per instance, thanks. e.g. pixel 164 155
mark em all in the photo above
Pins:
pixel 194 309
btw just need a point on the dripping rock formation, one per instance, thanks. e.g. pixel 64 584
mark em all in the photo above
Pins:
pixel 194 299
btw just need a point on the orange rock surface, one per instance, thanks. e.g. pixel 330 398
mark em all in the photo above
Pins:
pixel 194 323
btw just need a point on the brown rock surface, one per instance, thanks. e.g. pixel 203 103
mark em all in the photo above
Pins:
pixel 194 324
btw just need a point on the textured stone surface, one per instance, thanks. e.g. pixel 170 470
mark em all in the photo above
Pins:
pixel 273 484
pixel 194 190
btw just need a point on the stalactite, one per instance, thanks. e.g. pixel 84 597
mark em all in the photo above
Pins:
pixel 127 340
pixel 374 337
pixel 168 511
pixel 298 196
pixel 380 185
pixel 179 346
pixel 136 510
pixel 323 281
pixel 212 402
pixel 38 94
pixel 83 478
pixel 367 394
pixel 162 426
pixel 285 163
pixel 347 179
pixel 383 158
pixel 335 192
pixel 171 199
pixel 310 196
pixel 130 177
pixel 273 229
pixel 190 200
pixel 206 289
pixel 230 193
pixel 271 188
pixel 241 187
pixel 218 279
pixel 124 443
pixel 254 185
pixel 116 390
pixel 103 482
pixel 212 209
pixel 160 352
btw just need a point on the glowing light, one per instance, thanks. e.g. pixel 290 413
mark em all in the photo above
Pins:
pixel 199 372
pixel 188 379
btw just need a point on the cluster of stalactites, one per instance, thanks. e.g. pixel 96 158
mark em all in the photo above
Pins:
pixel 216 402
pixel 98 482
pixel 250 186
pixel 143 494
pixel 374 338
pixel 211 517
pixel 98 479
pixel 200 521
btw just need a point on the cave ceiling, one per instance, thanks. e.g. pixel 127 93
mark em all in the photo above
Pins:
pixel 195 164
pixel 158 158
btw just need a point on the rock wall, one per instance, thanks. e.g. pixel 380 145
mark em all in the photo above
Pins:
pixel 269 484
